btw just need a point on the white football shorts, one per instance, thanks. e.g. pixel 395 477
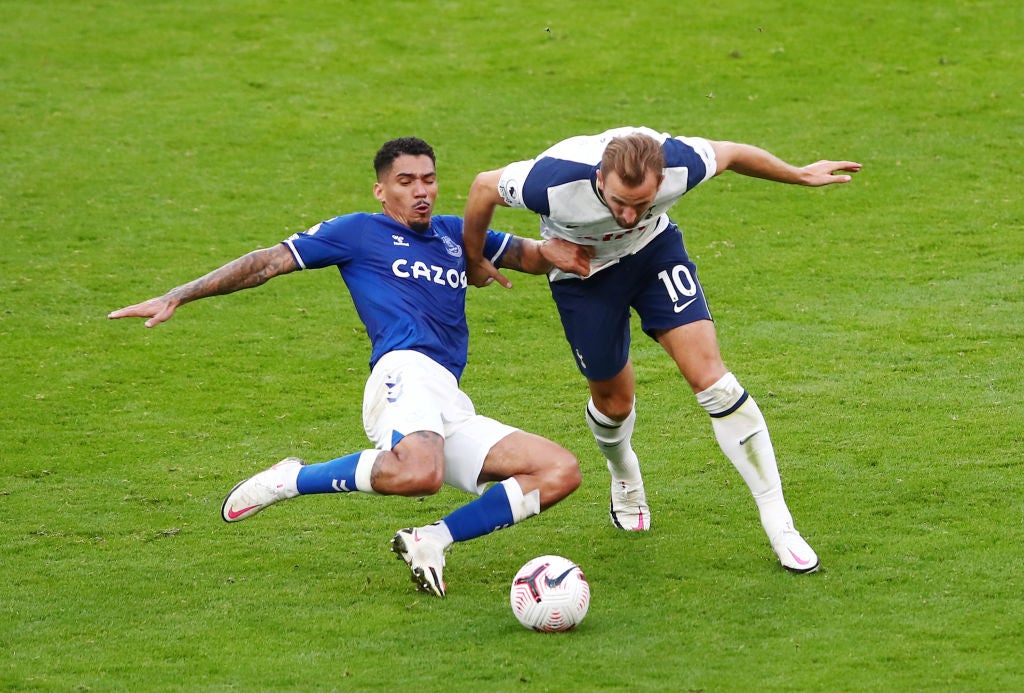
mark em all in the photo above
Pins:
pixel 408 392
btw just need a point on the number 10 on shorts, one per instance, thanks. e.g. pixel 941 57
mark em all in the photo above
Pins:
pixel 680 281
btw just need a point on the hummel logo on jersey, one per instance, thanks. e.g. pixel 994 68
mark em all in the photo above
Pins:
pixel 400 240
pixel 558 580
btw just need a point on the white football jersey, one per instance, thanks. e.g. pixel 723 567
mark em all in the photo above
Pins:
pixel 561 186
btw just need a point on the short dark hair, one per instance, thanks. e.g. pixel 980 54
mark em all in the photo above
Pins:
pixel 393 149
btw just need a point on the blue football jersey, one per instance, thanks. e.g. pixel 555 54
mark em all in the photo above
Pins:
pixel 409 288
pixel 561 186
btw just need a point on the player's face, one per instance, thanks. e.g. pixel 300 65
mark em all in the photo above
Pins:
pixel 628 204
pixel 408 190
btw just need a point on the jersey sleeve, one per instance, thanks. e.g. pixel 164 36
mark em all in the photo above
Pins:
pixel 331 242
pixel 525 184
pixel 510 185
pixel 694 153
pixel 495 245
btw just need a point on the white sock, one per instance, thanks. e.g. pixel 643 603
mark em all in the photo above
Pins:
pixel 522 505
pixel 440 531
pixel 614 440
pixel 363 470
pixel 742 433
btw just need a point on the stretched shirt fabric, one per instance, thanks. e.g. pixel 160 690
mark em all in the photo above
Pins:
pixel 409 288
pixel 561 186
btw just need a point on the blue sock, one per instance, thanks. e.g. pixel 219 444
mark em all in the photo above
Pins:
pixel 487 513
pixel 329 477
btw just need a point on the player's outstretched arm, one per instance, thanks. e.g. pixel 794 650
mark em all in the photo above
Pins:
pixel 539 257
pixel 483 200
pixel 250 270
pixel 824 172
pixel 749 160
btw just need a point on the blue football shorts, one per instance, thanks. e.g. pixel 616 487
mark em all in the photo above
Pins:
pixel 659 283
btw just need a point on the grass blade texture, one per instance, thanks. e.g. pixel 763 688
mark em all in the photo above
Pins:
pixel 878 324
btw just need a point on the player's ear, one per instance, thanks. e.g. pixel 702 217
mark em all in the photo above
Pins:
pixel 378 192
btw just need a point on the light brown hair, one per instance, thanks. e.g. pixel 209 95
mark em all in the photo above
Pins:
pixel 632 157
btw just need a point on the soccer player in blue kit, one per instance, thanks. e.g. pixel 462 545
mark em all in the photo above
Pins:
pixel 405 270
pixel 610 193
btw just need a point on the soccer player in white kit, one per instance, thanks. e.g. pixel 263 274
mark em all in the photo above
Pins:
pixel 405 270
pixel 610 193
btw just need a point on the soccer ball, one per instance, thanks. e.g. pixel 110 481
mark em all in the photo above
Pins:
pixel 550 594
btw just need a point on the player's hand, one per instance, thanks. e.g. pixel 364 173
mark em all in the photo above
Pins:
pixel 157 309
pixel 483 272
pixel 568 256
pixel 824 172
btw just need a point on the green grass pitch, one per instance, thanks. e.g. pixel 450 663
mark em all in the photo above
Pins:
pixel 878 324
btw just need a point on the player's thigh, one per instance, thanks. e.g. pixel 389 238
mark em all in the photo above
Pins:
pixel 674 311
pixel 468 449
pixel 595 318
pixel 671 295
pixel 523 453
pixel 405 393
pixel 538 464
pixel 694 348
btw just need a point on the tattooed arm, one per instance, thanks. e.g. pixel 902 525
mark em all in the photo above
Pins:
pixel 539 257
pixel 248 271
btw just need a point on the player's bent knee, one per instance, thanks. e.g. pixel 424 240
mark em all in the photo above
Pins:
pixel 421 488
pixel 426 480
pixel 572 475
pixel 564 476
pixel 616 406
pixel 415 477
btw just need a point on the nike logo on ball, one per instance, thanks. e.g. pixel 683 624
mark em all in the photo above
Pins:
pixel 558 580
